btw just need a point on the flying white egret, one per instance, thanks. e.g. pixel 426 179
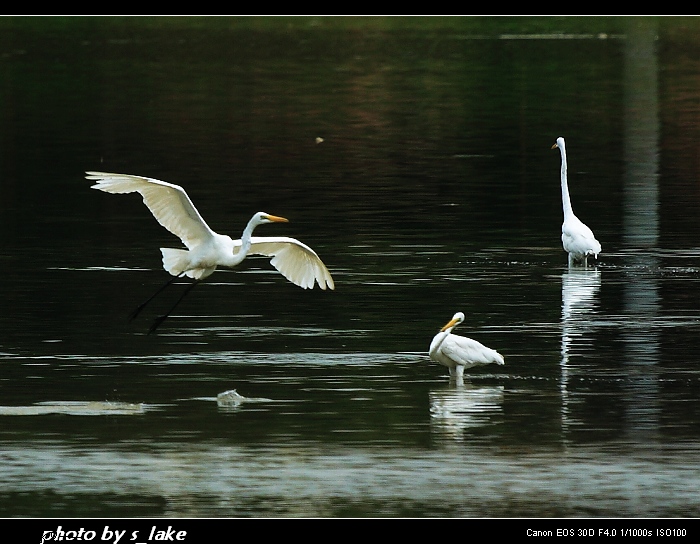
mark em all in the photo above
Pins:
pixel 207 249
pixel 458 352
pixel 576 237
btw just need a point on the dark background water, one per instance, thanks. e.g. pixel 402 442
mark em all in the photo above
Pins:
pixel 433 190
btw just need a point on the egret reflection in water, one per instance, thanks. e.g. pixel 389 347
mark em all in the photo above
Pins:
pixel 579 301
pixel 457 408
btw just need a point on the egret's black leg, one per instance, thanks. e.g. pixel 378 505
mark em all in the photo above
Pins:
pixel 162 318
pixel 141 306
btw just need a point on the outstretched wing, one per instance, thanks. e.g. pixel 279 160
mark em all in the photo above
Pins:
pixel 294 260
pixel 168 203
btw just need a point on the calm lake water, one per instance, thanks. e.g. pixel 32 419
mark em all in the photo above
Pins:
pixel 414 157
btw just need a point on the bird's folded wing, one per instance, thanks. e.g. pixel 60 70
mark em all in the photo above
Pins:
pixel 168 203
pixel 295 261
pixel 467 351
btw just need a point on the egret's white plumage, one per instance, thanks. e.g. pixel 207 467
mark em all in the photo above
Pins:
pixel 578 240
pixel 207 249
pixel 458 352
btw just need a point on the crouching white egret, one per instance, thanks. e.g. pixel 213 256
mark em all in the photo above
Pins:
pixel 207 249
pixel 458 352
pixel 576 237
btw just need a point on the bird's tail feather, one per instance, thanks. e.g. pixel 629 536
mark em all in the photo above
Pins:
pixel 175 261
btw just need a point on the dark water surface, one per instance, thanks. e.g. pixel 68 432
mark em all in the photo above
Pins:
pixel 432 189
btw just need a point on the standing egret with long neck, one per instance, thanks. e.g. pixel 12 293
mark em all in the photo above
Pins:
pixel 207 249
pixel 578 240
pixel 458 352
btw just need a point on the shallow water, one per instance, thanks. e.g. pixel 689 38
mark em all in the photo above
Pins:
pixel 433 191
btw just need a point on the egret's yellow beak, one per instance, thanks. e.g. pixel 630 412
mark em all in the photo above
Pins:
pixel 276 219
pixel 554 146
pixel 452 323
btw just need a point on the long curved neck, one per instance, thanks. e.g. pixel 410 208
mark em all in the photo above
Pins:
pixel 565 200
pixel 437 341
pixel 243 250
